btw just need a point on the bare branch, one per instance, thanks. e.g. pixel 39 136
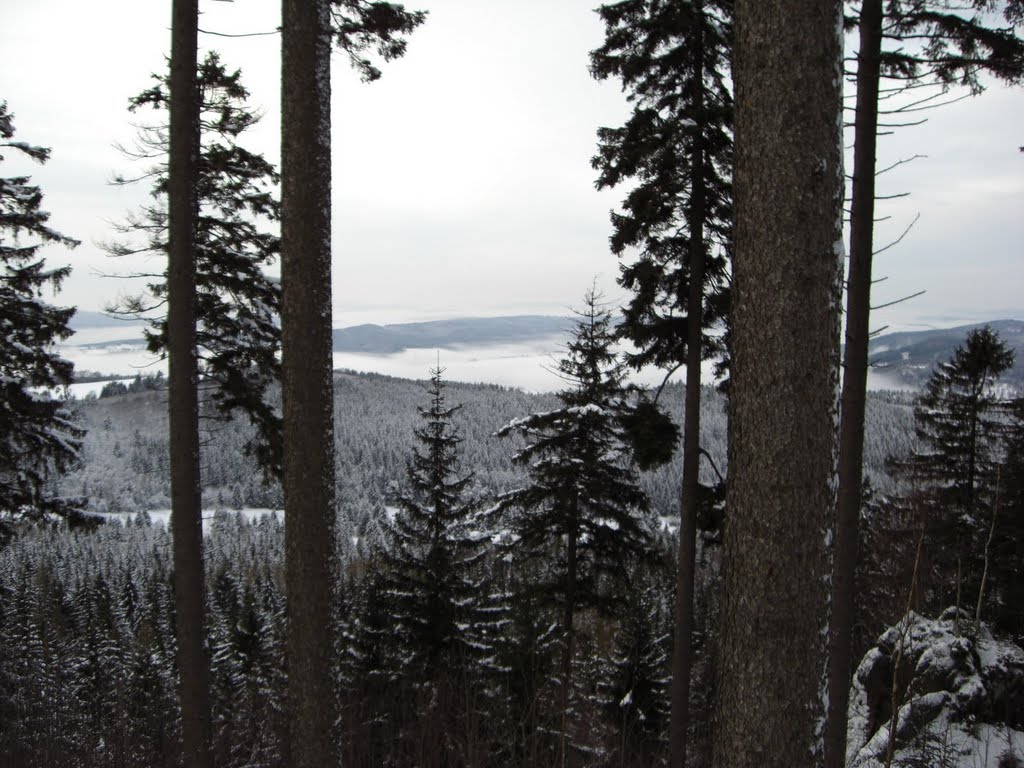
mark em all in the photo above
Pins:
pixel 899 301
pixel 924 105
pixel 900 238
pixel 276 31
pixel 903 125
pixel 899 163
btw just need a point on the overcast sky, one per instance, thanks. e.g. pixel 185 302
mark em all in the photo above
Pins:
pixel 462 179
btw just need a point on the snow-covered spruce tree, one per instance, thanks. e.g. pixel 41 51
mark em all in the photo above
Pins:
pixel 633 689
pixel 957 424
pixel 237 304
pixel 366 698
pixel 38 437
pixel 441 620
pixel 676 148
pixel 242 684
pixel 583 515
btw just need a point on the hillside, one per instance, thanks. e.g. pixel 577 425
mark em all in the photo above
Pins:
pixel 125 466
pixel 466 331
pixel 907 358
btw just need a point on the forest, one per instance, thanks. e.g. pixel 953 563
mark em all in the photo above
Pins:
pixel 262 561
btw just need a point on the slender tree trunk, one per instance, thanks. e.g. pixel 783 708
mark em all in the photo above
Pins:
pixel 186 498
pixel 682 650
pixel 787 280
pixel 855 381
pixel 307 391
pixel 568 620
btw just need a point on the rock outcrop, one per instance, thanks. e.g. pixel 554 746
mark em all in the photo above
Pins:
pixel 958 698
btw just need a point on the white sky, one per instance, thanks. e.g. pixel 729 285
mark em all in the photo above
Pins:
pixel 462 179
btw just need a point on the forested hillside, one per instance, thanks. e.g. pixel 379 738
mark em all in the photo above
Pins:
pixel 124 458
pixel 87 615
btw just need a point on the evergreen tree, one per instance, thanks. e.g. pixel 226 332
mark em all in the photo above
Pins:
pixel 633 690
pixel 583 515
pixel 307 31
pixel 237 303
pixel 675 150
pixel 959 425
pixel 38 436
pixel 184 141
pixel 366 694
pixel 431 569
pixel 787 282
pixel 673 59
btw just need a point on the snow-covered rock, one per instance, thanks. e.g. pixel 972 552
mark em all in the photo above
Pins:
pixel 959 697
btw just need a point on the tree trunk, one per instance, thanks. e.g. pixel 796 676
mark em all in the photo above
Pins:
pixel 569 621
pixel 307 392
pixel 787 279
pixel 183 410
pixel 682 649
pixel 855 381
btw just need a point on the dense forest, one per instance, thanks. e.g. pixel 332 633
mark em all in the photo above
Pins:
pixel 262 561
pixel 125 450
pixel 87 618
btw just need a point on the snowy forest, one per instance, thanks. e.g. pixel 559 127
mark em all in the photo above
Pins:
pixel 258 560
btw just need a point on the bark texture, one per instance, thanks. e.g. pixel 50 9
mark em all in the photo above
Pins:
pixel 855 380
pixel 307 392
pixel 787 275
pixel 186 499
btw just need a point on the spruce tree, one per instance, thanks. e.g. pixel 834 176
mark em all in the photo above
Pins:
pixel 583 515
pixel 633 690
pixel 307 32
pixel 675 150
pixel 673 60
pixel 183 144
pixel 960 422
pixel 237 303
pixel 787 280
pixel 432 575
pixel 38 436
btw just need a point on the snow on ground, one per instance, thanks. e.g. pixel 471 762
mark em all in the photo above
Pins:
pixel 959 697
pixel 163 516
pixel 86 388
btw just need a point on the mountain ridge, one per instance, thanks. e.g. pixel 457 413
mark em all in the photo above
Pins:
pixel 902 359
pixel 910 356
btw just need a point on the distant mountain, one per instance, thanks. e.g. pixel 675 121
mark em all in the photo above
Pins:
pixel 461 332
pixel 908 358
pixel 903 359
pixel 83 319
pixel 388 339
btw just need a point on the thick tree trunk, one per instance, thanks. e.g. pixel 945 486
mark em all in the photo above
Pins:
pixel 787 277
pixel 307 392
pixel 186 499
pixel 682 650
pixel 855 381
